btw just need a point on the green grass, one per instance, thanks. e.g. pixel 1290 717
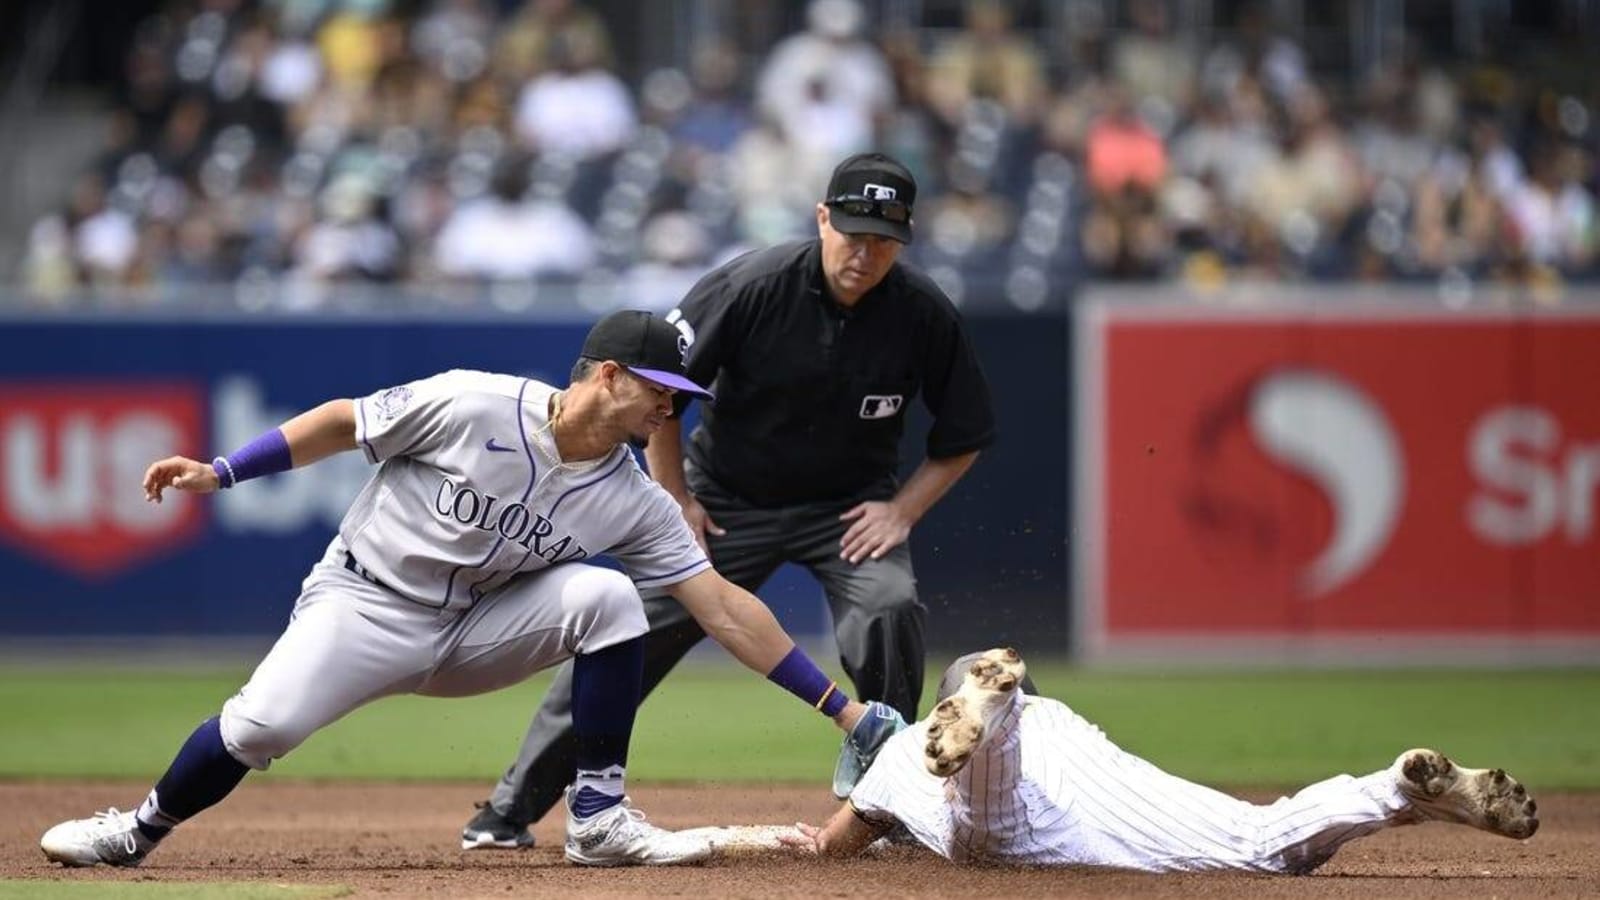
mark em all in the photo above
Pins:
pixel 110 890
pixel 714 722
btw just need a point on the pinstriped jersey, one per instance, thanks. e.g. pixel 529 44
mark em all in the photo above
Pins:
pixel 995 809
pixel 1047 787
pixel 471 492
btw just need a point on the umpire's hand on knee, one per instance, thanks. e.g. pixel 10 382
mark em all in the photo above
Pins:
pixel 876 527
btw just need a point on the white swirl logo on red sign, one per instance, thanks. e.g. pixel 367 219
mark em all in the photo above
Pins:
pixel 1329 431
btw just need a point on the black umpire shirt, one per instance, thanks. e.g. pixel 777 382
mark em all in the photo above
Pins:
pixel 811 397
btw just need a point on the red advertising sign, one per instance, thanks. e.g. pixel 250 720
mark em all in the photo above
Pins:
pixel 72 455
pixel 1262 474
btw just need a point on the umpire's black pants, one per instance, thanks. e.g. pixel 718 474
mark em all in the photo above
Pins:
pixel 878 623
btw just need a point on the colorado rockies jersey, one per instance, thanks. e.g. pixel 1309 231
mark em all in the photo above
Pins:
pixel 472 492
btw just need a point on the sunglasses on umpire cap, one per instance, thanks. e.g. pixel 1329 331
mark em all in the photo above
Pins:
pixel 889 210
pixel 871 193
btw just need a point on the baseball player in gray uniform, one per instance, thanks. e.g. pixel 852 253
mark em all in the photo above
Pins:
pixel 459 569
pixel 996 775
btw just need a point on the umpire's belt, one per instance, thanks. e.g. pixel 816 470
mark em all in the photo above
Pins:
pixel 356 567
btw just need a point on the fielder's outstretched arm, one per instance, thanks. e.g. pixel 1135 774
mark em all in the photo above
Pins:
pixel 304 439
pixel 738 621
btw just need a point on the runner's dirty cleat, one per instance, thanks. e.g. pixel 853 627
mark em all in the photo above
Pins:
pixel 958 723
pixel 1487 799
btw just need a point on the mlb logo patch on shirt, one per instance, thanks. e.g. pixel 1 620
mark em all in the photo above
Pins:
pixel 881 406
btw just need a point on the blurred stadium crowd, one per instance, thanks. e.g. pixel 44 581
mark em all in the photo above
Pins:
pixel 444 142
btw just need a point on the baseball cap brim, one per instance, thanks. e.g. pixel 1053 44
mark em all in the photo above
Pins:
pixel 848 224
pixel 672 380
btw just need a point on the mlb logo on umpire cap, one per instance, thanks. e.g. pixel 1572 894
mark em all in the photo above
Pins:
pixel 881 184
pixel 881 406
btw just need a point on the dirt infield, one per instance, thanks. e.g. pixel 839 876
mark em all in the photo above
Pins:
pixel 400 840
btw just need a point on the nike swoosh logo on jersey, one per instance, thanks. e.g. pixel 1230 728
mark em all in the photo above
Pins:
pixel 491 446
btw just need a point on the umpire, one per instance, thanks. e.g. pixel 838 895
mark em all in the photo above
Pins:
pixel 816 348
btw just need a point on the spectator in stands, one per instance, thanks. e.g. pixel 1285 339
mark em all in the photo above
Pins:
pixel 772 190
pixel 1123 235
pixel 577 107
pixel 49 268
pixel 188 253
pixel 1455 218
pixel 676 252
pixel 524 46
pixel 181 146
pixel 1304 198
pixel 1222 150
pixel 507 235
pixel 292 68
pixel 968 223
pixel 1260 51
pixel 910 133
pixel 826 89
pixel 453 38
pixel 1389 139
pixel 713 115
pixel 987 60
pixel 353 45
pixel 1500 166
pixel 105 239
pixel 234 118
pixel 1550 216
pixel 1155 65
pixel 353 241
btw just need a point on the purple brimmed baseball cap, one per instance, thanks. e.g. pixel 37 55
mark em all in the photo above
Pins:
pixel 644 345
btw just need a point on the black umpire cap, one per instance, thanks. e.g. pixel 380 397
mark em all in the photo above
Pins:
pixel 644 345
pixel 872 193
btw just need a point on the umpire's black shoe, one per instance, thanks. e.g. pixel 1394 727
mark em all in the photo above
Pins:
pixel 489 830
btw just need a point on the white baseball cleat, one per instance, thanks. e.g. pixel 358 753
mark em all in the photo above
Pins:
pixel 111 837
pixel 958 723
pixel 1487 799
pixel 619 836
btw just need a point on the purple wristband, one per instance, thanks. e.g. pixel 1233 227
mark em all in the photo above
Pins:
pixel 798 675
pixel 266 455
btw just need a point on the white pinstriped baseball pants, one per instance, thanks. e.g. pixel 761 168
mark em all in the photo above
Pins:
pixel 1048 788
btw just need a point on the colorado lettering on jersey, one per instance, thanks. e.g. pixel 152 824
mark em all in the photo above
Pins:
pixel 512 521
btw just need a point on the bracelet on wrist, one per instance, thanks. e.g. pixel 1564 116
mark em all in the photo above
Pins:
pixel 798 675
pixel 268 454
